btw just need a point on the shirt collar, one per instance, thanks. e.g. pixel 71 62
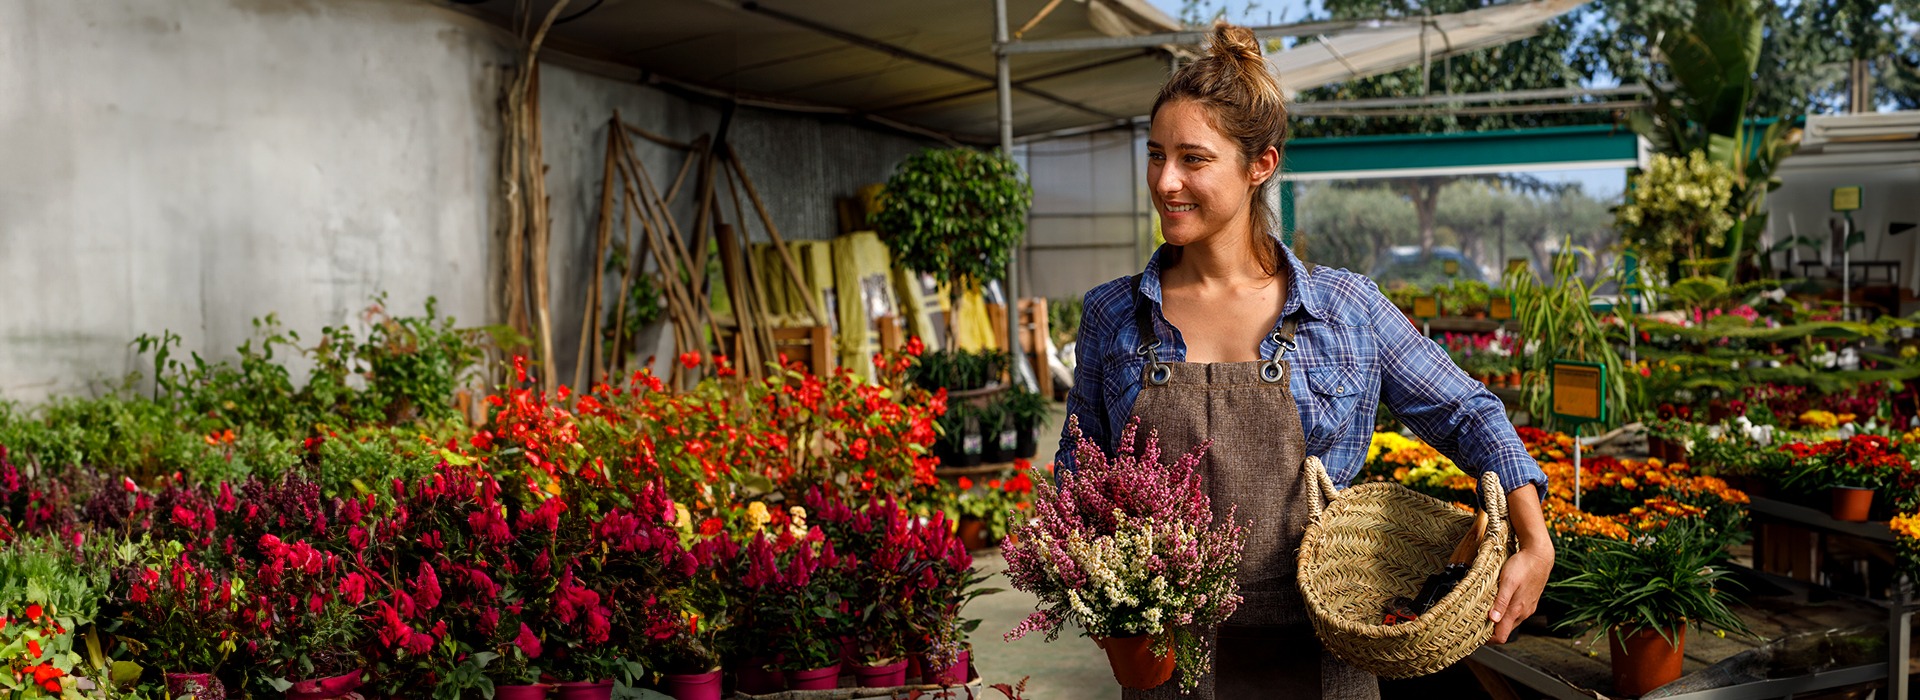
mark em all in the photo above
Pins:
pixel 1300 295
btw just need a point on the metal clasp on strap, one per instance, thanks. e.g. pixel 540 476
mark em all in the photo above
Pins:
pixel 1158 373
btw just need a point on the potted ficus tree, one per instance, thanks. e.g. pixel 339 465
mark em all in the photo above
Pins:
pixel 1642 593
pixel 954 213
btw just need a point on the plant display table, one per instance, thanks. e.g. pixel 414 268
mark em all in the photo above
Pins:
pixel 1844 647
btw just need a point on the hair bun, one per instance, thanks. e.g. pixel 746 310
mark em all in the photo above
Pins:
pixel 1234 42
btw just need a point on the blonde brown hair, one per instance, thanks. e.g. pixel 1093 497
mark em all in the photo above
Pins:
pixel 1238 88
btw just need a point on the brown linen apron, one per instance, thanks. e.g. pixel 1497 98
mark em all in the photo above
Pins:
pixel 1257 463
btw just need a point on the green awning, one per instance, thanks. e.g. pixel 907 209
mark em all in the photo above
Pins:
pixel 1593 146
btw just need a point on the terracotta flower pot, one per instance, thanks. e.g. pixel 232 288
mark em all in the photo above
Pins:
pixel 1644 660
pixel 202 686
pixel 954 674
pixel 823 678
pixel 520 692
pixel 1134 663
pixel 753 678
pixel 1851 504
pixel 585 690
pixel 691 686
pixel 885 675
pixel 324 688
pixel 1513 379
pixel 973 533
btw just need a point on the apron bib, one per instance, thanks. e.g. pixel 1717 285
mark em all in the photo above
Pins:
pixel 1255 468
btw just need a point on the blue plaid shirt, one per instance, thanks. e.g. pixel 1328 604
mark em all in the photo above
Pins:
pixel 1353 349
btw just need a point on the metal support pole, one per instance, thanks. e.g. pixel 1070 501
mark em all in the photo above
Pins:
pixel 1022 373
pixel 1899 636
pixel 1846 270
pixel 1576 467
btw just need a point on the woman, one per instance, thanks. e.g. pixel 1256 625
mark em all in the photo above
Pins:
pixel 1227 335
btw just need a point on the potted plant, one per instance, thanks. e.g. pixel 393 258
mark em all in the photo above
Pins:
pixel 938 621
pixel 187 636
pixel 49 593
pixel 954 213
pixel 690 622
pixel 1643 592
pixel 1028 411
pixel 797 600
pixel 1077 551
pixel 961 442
pixel 1852 470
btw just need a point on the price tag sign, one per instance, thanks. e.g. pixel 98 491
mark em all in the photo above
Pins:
pixel 1846 198
pixel 1579 393
pixel 1500 308
pixel 1426 307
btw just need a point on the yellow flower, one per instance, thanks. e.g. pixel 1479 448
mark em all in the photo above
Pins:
pixel 1906 525
pixel 757 515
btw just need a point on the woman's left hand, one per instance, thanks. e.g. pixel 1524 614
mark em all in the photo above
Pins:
pixel 1525 575
pixel 1521 582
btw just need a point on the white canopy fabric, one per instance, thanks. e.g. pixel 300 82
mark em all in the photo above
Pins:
pixel 929 64
pixel 1368 51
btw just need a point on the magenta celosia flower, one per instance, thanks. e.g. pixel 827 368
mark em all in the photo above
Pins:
pixel 527 642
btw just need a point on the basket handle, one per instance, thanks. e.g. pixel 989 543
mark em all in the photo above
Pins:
pixel 1320 490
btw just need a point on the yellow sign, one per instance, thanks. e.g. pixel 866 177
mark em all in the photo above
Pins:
pixel 1426 307
pixel 1576 391
pixel 1450 266
pixel 1846 198
pixel 1500 308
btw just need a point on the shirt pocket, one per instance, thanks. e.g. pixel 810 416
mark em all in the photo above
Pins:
pixel 1334 392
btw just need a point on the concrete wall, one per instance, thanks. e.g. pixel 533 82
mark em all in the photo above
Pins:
pixel 192 165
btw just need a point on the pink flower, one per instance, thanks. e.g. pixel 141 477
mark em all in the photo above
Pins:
pixel 528 642
pixel 354 588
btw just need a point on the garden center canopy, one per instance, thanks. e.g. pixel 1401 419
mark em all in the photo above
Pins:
pixel 929 65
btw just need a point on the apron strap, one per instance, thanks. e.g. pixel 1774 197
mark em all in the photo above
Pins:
pixel 1273 371
pixel 1149 348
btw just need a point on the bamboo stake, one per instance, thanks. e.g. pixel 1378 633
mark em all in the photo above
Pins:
pixel 542 236
pixel 590 316
pixel 522 132
pixel 619 360
pixel 763 316
pixel 779 243
pixel 680 177
pixel 678 304
pixel 742 308
pixel 677 241
pixel 669 241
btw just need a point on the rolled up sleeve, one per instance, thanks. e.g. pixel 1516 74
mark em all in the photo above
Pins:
pixel 1445 407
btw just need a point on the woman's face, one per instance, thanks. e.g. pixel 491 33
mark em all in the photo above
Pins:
pixel 1200 183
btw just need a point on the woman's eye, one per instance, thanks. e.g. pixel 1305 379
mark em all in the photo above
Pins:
pixel 1156 156
pixel 1195 159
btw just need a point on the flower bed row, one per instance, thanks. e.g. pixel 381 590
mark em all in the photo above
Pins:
pixel 611 536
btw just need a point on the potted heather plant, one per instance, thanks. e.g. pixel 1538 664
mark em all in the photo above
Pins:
pixel 1077 547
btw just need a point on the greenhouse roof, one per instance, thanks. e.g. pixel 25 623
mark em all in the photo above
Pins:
pixel 1551 148
pixel 929 65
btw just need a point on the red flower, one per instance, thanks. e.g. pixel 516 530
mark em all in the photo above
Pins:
pixel 690 359
pixel 915 347
pixel 528 642
pixel 711 526
pixel 966 484
pixel 33 613
pixel 33 649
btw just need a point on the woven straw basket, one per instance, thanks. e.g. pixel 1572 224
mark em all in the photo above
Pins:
pixel 1376 541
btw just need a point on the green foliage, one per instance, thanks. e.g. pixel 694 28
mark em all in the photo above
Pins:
pixel 1679 209
pixel 1658 582
pixel 955 213
pixel 1063 319
pixel 1027 409
pixel 1559 317
pixel 958 370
